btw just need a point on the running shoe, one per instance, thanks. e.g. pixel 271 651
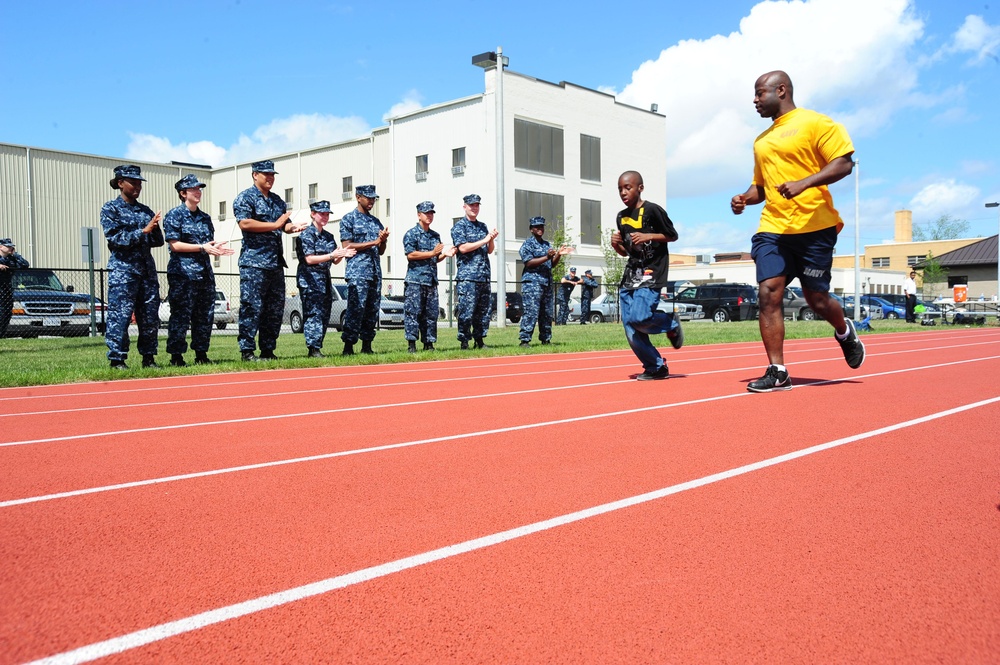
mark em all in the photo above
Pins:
pixel 676 336
pixel 656 375
pixel 854 349
pixel 772 381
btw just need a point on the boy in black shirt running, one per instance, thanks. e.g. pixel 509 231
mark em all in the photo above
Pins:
pixel 642 235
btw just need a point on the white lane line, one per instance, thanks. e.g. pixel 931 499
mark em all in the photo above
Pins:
pixel 331 371
pixel 288 393
pixel 177 627
pixel 451 437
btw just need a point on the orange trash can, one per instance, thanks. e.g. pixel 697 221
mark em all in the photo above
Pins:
pixel 961 292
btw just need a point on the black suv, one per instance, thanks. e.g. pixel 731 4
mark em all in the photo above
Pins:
pixel 722 302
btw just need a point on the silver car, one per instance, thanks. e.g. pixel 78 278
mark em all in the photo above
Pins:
pixel 605 308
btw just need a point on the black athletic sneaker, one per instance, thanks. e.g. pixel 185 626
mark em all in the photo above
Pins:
pixel 248 356
pixel 854 349
pixel 657 375
pixel 772 381
pixel 676 336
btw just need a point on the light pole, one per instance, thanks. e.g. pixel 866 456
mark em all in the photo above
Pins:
pixel 857 240
pixel 996 204
pixel 497 60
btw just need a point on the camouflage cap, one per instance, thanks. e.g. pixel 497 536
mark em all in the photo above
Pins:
pixel 573 269
pixel 265 166
pixel 367 191
pixel 536 221
pixel 587 272
pixel 190 181
pixel 472 198
pixel 130 171
pixel 425 206
pixel 320 206
pixel 6 242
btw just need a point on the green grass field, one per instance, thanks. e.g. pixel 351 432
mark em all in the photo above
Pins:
pixel 30 362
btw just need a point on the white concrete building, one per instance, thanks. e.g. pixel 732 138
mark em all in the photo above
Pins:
pixel 564 147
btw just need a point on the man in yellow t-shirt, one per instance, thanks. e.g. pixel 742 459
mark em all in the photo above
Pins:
pixel 794 161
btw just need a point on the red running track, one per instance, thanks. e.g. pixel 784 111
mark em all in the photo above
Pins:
pixel 528 509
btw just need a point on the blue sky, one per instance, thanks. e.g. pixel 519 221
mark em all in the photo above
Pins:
pixel 915 83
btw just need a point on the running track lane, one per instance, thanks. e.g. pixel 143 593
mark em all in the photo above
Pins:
pixel 794 393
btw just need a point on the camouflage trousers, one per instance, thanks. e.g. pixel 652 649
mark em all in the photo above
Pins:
pixel 473 310
pixel 420 312
pixel 584 309
pixel 192 303
pixel 262 304
pixel 316 308
pixel 361 317
pixel 537 298
pixel 562 308
pixel 127 295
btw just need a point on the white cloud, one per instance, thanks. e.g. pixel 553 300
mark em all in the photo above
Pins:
pixel 412 101
pixel 298 132
pixel 282 135
pixel 944 197
pixel 977 37
pixel 705 87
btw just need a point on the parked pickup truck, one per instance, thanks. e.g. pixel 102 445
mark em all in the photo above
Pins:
pixel 43 306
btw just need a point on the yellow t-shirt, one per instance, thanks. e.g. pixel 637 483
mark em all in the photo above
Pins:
pixel 799 144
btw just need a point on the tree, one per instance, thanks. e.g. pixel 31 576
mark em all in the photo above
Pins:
pixel 933 276
pixel 944 227
pixel 614 265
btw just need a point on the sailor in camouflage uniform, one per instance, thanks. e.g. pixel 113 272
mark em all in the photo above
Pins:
pixel 10 261
pixel 587 287
pixel 317 251
pixel 262 216
pixel 131 230
pixel 364 233
pixel 191 237
pixel 540 258
pixel 475 244
pixel 424 250
pixel 566 286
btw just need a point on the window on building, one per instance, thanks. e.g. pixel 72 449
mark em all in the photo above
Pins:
pixel 421 169
pixel 457 161
pixel 590 158
pixel 914 260
pixel 518 270
pixel 954 280
pixel 534 204
pixel 314 191
pixel 388 207
pixel 348 189
pixel 290 195
pixel 222 210
pixel 590 222
pixel 538 147
pixel 880 262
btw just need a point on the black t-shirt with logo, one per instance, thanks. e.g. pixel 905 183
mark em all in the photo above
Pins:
pixel 648 262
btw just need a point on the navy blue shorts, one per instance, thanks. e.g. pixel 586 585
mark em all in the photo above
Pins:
pixel 808 256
